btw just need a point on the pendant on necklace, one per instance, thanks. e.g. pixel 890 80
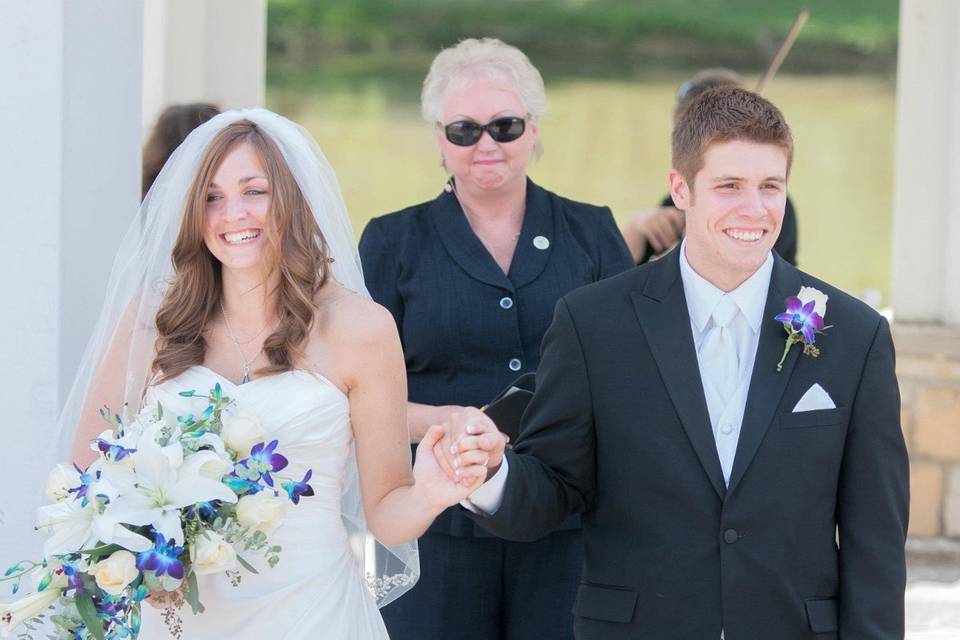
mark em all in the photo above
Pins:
pixel 246 375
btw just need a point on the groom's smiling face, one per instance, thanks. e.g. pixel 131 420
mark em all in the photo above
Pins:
pixel 733 208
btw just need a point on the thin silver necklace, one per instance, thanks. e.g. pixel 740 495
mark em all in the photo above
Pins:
pixel 470 218
pixel 237 343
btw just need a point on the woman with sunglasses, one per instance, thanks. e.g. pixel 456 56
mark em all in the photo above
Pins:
pixel 472 278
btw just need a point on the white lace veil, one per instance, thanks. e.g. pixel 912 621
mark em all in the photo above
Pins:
pixel 116 364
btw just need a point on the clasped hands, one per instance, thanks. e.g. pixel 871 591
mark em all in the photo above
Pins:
pixel 456 457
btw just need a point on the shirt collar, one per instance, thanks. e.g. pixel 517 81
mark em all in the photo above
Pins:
pixel 702 296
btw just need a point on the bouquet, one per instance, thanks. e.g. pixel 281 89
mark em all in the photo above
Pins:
pixel 169 498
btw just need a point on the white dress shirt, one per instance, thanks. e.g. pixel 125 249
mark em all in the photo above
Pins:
pixel 726 414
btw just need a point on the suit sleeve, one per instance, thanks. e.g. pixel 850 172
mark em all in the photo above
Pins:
pixel 873 503
pixel 552 465
pixel 614 255
pixel 380 269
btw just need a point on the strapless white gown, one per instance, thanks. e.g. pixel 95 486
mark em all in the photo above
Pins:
pixel 316 590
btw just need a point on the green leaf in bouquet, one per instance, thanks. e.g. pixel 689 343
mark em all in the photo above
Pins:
pixel 88 613
pixel 16 587
pixel 188 394
pixel 101 551
pixel 45 581
pixel 217 392
pixel 193 593
pixel 246 565
pixel 12 570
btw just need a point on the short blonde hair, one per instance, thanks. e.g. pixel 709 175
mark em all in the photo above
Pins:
pixel 482 58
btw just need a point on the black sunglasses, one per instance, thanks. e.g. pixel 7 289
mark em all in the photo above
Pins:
pixel 465 133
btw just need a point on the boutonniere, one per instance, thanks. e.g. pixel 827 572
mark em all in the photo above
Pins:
pixel 803 320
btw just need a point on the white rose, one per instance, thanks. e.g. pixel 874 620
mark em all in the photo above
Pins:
pixel 114 573
pixel 819 297
pixel 12 614
pixel 261 511
pixel 62 478
pixel 210 553
pixel 241 431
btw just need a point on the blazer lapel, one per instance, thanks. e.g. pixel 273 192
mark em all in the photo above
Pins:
pixel 462 243
pixel 661 308
pixel 529 259
pixel 766 383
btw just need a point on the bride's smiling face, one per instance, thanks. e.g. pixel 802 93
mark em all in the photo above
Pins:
pixel 237 205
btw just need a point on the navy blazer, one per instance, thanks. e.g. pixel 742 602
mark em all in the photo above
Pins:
pixel 467 328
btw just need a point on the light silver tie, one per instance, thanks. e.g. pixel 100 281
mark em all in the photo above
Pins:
pixel 718 352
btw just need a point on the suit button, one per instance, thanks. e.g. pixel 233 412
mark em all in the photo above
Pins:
pixel 506 302
pixel 730 536
pixel 514 365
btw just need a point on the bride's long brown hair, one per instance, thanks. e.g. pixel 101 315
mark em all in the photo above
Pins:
pixel 296 251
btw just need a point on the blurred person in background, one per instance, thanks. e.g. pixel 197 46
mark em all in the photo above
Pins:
pixel 652 232
pixel 472 278
pixel 173 126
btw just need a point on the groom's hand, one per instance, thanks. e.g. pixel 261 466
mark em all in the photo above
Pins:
pixel 476 440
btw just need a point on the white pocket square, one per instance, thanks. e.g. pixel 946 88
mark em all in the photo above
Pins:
pixel 814 399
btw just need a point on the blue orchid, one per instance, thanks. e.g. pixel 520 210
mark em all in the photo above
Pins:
pixel 297 489
pixel 162 559
pixel 86 480
pixel 803 321
pixel 113 452
pixel 206 511
pixel 265 461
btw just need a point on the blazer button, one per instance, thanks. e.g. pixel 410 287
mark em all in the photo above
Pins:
pixel 730 536
pixel 541 243
pixel 514 365
pixel 506 302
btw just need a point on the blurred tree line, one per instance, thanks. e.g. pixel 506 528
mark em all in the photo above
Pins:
pixel 582 37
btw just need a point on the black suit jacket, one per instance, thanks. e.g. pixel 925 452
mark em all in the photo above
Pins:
pixel 619 430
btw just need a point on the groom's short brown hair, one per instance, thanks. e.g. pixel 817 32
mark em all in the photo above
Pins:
pixel 721 115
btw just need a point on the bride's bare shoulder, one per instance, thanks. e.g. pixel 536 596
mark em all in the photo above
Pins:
pixel 352 318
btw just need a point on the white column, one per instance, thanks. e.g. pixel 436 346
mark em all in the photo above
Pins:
pixel 926 230
pixel 69 174
pixel 203 51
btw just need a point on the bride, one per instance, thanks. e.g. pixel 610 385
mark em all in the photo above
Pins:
pixel 242 270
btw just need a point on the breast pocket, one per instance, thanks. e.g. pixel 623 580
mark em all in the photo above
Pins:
pixel 610 604
pixel 817 418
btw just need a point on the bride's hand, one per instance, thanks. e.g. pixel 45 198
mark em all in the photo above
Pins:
pixel 476 440
pixel 167 599
pixel 439 489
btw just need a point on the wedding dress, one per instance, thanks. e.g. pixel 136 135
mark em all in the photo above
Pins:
pixel 317 590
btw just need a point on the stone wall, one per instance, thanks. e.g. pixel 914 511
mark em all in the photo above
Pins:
pixel 928 367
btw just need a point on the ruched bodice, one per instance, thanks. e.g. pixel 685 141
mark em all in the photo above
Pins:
pixel 316 590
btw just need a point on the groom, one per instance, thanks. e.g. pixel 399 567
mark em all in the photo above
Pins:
pixel 722 497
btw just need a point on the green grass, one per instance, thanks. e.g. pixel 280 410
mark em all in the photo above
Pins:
pixel 607 141
pixel 585 37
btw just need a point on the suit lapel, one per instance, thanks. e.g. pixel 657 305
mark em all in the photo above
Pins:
pixel 529 259
pixel 462 243
pixel 766 383
pixel 661 308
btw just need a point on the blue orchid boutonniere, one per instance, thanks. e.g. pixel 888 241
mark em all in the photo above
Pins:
pixel 803 320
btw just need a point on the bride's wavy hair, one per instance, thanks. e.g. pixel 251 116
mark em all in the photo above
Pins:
pixel 296 251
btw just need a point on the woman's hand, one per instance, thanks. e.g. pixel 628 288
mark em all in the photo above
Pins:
pixel 660 228
pixel 432 481
pixel 476 441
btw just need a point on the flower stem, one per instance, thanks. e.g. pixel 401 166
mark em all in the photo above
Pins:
pixel 786 349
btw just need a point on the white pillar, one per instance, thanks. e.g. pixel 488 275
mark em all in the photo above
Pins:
pixel 203 51
pixel 926 229
pixel 69 175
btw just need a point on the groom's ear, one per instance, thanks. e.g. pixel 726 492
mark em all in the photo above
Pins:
pixel 680 190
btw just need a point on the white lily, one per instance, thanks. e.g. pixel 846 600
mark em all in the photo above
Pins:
pixel 160 485
pixel 15 613
pixel 74 528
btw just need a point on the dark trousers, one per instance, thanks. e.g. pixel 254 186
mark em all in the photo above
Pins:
pixel 490 589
